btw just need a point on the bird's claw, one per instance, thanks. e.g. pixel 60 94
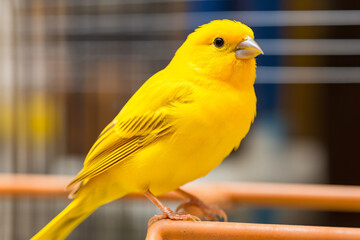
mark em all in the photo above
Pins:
pixel 173 216
pixel 211 212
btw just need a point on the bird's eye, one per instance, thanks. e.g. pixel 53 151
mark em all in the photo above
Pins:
pixel 218 42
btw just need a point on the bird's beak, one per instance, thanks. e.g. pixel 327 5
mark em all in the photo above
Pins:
pixel 248 49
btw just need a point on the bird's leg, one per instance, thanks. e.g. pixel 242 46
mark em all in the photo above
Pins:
pixel 211 212
pixel 167 212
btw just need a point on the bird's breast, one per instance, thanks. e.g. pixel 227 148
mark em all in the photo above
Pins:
pixel 206 132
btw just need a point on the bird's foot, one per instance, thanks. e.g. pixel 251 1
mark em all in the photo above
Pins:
pixel 173 216
pixel 210 212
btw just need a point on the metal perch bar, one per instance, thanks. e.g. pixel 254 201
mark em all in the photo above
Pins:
pixel 306 196
pixel 167 229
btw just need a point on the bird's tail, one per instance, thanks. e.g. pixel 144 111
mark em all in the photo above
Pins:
pixel 63 224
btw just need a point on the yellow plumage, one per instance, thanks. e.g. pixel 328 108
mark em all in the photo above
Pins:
pixel 176 128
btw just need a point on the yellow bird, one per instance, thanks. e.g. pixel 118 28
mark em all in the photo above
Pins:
pixel 176 128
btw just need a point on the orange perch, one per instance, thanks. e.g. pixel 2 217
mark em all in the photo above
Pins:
pixel 306 196
pixel 167 229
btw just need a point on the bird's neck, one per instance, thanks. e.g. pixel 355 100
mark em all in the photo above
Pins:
pixel 240 75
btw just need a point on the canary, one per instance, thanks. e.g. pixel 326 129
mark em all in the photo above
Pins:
pixel 176 128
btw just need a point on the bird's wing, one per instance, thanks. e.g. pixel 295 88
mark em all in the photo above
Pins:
pixel 122 138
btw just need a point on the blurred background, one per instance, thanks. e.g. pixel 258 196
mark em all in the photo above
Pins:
pixel 68 67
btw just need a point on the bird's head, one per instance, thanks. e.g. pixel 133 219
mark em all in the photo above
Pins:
pixel 223 50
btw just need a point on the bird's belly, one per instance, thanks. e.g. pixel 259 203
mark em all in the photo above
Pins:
pixel 181 158
pixel 173 167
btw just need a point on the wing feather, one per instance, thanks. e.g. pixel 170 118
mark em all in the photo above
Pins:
pixel 146 118
pixel 122 139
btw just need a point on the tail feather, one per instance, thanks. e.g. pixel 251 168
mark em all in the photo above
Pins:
pixel 65 222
